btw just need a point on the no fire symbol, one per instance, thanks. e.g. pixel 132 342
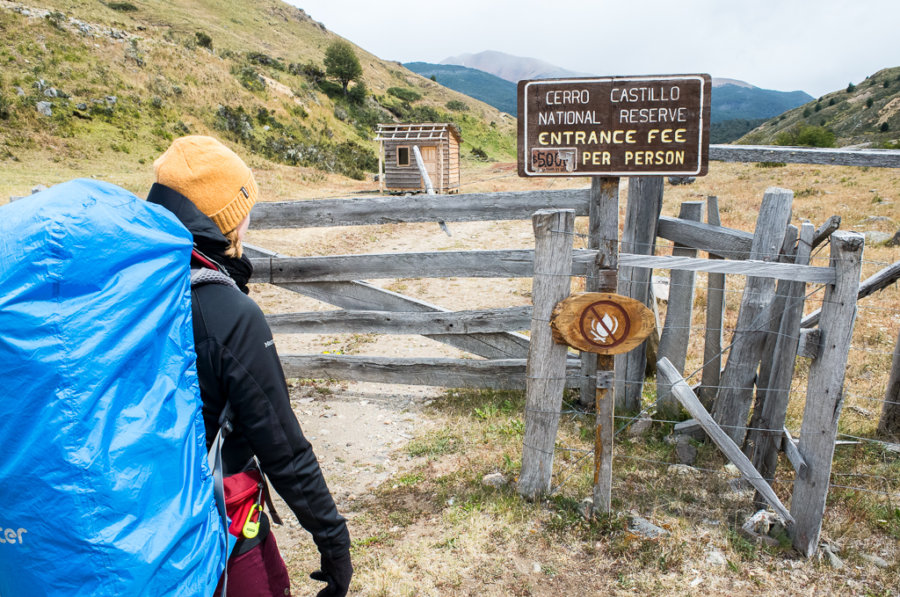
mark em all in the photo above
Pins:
pixel 604 323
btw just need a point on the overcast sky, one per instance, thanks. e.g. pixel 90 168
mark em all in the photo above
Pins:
pixel 814 45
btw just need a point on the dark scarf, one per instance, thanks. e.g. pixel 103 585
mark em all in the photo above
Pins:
pixel 208 239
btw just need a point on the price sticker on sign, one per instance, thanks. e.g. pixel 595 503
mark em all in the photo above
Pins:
pixel 601 322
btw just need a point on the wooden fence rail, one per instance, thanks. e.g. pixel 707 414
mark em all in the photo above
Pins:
pixel 500 374
pixel 401 322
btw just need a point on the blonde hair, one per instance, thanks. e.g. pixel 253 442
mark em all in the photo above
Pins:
pixel 235 249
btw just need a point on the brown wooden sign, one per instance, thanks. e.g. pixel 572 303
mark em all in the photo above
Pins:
pixel 601 322
pixel 615 126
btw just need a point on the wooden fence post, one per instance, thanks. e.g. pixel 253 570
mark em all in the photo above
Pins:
pixel 889 425
pixel 732 404
pixel 605 194
pixel 825 391
pixel 546 369
pixel 715 312
pixel 772 404
pixel 645 197
pixel 676 332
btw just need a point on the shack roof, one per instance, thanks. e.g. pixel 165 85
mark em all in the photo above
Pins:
pixel 423 131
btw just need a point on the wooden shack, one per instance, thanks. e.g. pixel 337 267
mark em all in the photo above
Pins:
pixel 438 144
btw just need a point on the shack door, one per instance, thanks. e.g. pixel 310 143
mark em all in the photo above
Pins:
pixel 430 157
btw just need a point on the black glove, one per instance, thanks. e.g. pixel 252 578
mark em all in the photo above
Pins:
pixel 336 571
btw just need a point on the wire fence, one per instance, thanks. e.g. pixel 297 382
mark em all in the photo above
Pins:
pixel 889 484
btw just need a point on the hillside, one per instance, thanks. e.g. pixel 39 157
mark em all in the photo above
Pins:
pixel 91 88
pixel 478 84
pixel 867 113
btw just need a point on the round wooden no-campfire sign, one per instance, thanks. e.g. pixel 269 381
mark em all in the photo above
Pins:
pixel 601 322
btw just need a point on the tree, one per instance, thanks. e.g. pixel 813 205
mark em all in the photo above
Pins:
pixel 342 64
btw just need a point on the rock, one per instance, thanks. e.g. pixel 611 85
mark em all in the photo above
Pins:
pixel 833 561
pixel 876 220
pixel 19 91
pixel 714 557
pixel 876 237
pixel 677 180
pixel 495 480
pixel 536 567
pixel 682 469
pixel 81 106
pixel 640 426
pixel 51 92
pixel 40 84
pixel 111 100
pixel 757 527
pixel 732 470
pixel 875 560
pixel 645 528
pixel 690 428
pixel 38 188
pixel 685 451
pixel 586 507
pixel 895 240
pixel 14 198
pixel 44 108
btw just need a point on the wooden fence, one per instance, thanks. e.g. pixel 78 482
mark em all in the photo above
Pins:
pixel 493 334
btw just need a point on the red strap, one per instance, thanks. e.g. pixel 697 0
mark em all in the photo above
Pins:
pixel 203 260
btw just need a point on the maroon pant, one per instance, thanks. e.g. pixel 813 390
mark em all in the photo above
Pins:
pixel 258 573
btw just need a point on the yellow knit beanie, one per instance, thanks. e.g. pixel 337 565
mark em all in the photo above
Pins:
pixel 212 176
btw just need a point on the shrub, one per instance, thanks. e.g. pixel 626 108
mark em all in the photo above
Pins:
pixel 264 60
pixel 251 79
pixel 851 88
pixel 885 127
pixel 869 102
pixel 56 18
pixel 806 112
pixel 358 94
pixel 457 106
pixel 886 84
pixel 204 40
pixel 831 102
pixel 806 135
pixel 407 95
pixel 4 108
pixel 480 154
pixel 313 73
pixel 123 6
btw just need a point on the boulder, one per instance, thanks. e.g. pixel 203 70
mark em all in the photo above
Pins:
pixel 44 108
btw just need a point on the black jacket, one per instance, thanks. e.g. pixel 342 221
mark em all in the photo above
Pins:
pixel 237 361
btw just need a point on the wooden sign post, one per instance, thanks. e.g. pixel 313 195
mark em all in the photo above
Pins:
pixel 606 324
pixel 606 127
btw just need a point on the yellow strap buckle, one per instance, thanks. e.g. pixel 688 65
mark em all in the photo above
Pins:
pixel 251 527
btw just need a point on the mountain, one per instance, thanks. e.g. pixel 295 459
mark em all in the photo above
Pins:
pixel 483 86
pixel 867 113
pixel 737 99
pixel 509 67
pixel 101 88
pixel 737 106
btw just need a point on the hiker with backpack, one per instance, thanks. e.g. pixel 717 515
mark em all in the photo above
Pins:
pixel 211 191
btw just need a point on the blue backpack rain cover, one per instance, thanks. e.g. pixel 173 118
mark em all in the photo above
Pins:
pixel 104 485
